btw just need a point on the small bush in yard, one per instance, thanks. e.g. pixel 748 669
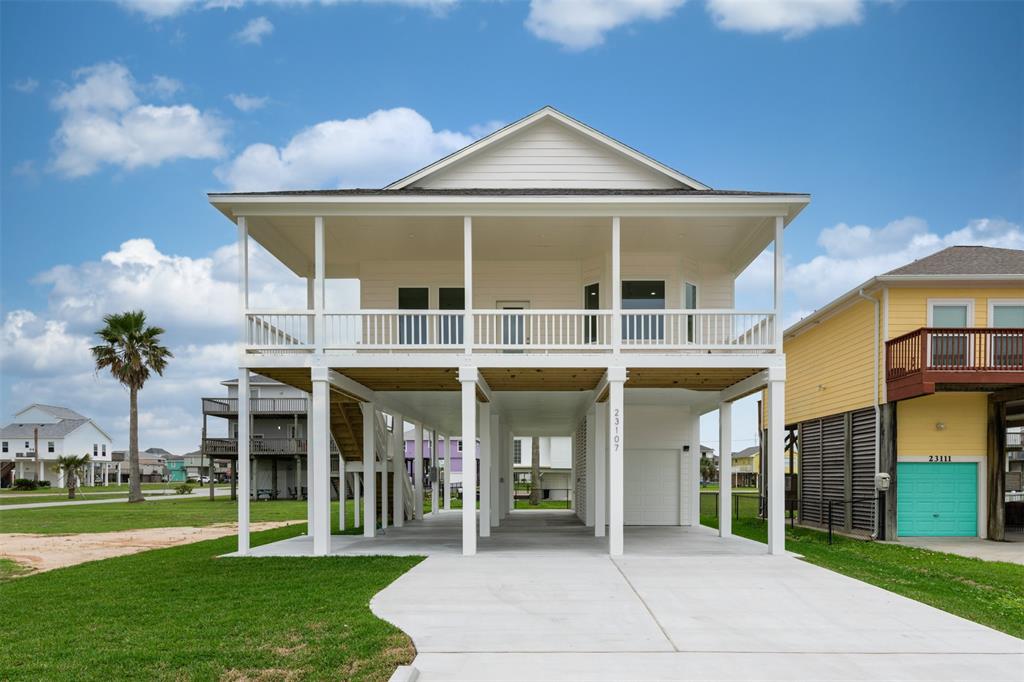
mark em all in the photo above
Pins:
pixel 43 484
pixel 183 489
pixel 25 484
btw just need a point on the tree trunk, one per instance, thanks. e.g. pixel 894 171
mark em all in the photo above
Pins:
pixel 134 475
pixel 72 484
pixel 535 473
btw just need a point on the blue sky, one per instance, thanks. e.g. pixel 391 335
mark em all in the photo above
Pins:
pixel 905 121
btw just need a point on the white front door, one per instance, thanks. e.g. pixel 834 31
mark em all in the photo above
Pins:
pixel 651 487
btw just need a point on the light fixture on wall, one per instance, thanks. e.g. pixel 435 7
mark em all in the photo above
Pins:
pixel 940 426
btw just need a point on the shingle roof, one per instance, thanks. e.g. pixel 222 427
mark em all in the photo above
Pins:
pixel 27 430
pixel 746 452
pixel 57 411
pixel 966 260
pixel 500 192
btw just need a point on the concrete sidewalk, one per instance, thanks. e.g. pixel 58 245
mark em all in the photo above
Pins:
pixel 542 601
pixel 1012 552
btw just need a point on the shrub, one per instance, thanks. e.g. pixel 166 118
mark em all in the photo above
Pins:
pixel 43 484
pixel 183 489
pixel 25 484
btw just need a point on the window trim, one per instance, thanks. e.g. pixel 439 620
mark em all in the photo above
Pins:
pixel 51 446
pixel 994 303
pixel 969 302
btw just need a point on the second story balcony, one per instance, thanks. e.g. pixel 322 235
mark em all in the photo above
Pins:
pixel 228 407
pixel 931 358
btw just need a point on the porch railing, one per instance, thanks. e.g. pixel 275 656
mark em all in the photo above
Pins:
pixel 258 446
pixel 514 330
pixel 256 405
pixel 954 350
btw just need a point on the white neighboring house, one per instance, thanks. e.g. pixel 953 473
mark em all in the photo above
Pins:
pixel 546 280
pixel 42 433
pixel 555 465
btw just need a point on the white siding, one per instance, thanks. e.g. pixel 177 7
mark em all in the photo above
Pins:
pixel 548 154
pixel 656 428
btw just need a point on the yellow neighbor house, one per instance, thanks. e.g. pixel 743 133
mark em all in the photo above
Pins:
pixel 916 374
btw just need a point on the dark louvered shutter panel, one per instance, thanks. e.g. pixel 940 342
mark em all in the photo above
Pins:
pixel 810 471
pixel 833 464
pixel 579 457
pixel 863 468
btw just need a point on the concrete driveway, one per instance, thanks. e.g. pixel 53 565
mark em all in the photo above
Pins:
pixel 541 601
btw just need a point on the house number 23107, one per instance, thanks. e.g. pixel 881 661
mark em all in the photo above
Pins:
pixel 616 429
pixel 939 458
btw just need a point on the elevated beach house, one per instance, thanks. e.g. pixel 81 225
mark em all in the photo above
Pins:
pixel 39 434
pixel 546 280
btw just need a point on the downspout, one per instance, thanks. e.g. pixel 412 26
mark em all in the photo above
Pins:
pixel 878 431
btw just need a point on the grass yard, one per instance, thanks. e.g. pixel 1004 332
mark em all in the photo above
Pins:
pixel 11 569
pixel 544 504
pixel 99 489
pixel 181 613
pixel 62 497
pixel 987 592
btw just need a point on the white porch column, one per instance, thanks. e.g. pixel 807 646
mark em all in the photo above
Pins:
pixel 694 495
pixel 342 492
pixel 779 262
pixel 448 450
pixel 417 469
pixel 384 482
pixel 243 459
pixel 467 267
pixel 356 515
pixel 510 478
pixel 591 467
pixel 486 465
pixel 435 464
pixel 600 462
pixel 776 481
pixel 319 458
pixel 119 474
pixel 616 285
pixel 243 279
pixel 399 470
pixel 724 469
pixel 616 446
pixel 319 270
pixel 369 469
pixel 495 469
pixel 468 377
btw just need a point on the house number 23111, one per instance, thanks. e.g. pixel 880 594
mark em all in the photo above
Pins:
pixel 939 458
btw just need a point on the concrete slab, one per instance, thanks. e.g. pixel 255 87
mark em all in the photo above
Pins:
pixel 1012 552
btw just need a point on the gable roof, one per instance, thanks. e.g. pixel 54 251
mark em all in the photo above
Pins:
pixel 57 411
pixel 57 430
pixel 547 113
pixel 966 260
pixel 746 452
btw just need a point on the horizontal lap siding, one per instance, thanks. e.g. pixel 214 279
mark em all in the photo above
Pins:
pixel 964 418
pixel 548 154
pixel 908 308
pixel 829 366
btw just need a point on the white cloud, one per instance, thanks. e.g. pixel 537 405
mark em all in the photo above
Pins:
pixel 354 152
pixel 25 85
pixel 255 31
pixel 245 102
pixel 792 18
pixel 165 87
pixel 582 24
pixel 103 122
pixel 154 10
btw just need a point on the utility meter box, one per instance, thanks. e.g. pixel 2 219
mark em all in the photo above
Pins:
pixel 881 481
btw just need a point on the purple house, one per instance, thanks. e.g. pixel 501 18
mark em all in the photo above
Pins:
pixel 428 444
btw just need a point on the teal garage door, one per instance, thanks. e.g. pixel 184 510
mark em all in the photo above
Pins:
pixel 937 499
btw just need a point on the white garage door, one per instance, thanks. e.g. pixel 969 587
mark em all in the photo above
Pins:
pixel 651 480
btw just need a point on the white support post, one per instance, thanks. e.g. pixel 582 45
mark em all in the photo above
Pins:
pixel 384 480
pixel 694 496
pixel 310 436
pixel 356 511
pixel 243 278
pixel 319 269
pixel 369 469
pixel 590 466
pixel 398 471
pixel 486 465
pixel 449 449
pixel 510 478
pixel 495 469
pixel 724 469
pixel 467 266
pixel 243 462
pixel 320 464
pixel 417 470
pixel 616 446
pixel 435 464
pixel 600 462
pixel 779 262
pixel 342 492
pixel 776 480
pixel 616 285
pixel 468 377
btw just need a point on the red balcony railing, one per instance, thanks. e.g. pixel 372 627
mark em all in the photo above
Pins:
pixel 916 361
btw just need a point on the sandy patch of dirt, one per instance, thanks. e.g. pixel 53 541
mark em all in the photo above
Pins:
pixel 47 552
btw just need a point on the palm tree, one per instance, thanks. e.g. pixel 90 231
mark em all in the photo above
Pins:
pixel 131 350
pixel 73 467
pixel 535 473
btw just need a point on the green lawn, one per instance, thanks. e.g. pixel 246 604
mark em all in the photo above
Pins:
pixel 99 489
pixel 544 504
pixel 987 592
pixel 714 488
pixel 182 614
pixel 63 497
pixel 11 569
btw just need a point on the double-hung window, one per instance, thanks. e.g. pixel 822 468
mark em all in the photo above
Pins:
pixel 949 348
pixel 1008 343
